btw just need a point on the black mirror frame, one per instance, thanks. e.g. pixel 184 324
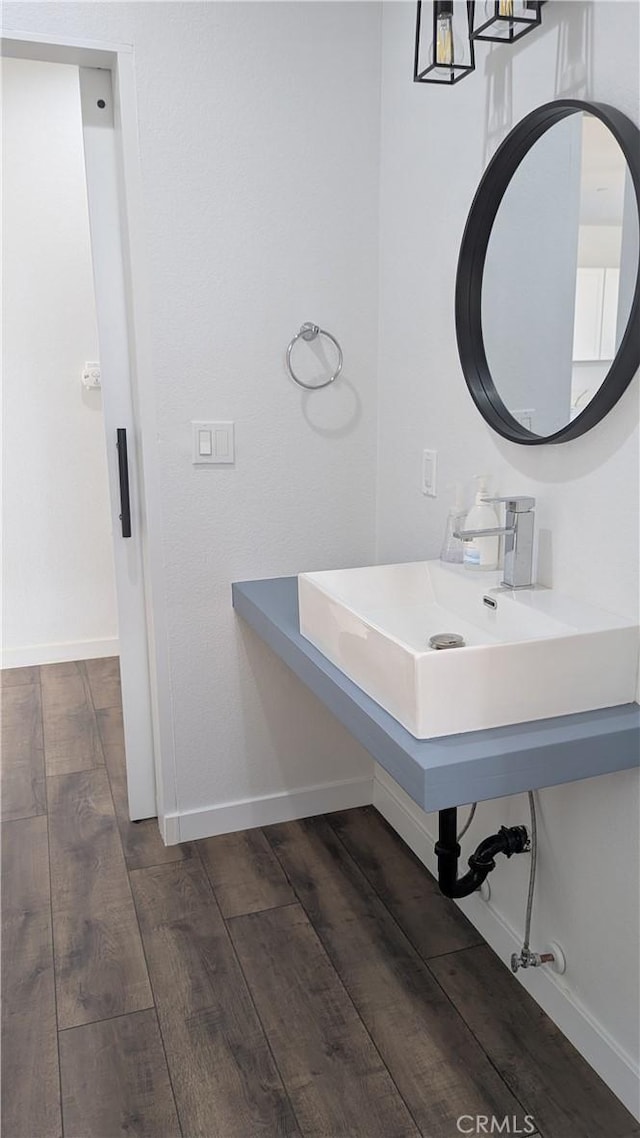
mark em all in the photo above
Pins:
pixel 471 261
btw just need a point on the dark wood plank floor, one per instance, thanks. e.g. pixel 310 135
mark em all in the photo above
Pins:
pixel 307 979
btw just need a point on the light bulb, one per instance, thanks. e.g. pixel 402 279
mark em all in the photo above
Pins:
pixel 505 8
pixel 444 38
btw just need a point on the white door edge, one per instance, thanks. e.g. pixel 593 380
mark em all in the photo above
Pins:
pixel 102 176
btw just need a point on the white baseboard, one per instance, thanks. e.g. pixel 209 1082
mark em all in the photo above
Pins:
pixel 286 806
pixel 615 1067
pixel 59 653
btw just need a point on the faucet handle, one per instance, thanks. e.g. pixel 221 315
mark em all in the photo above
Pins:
pixel 518 504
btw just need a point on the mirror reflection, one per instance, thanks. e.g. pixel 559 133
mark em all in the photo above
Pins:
pixel 560 273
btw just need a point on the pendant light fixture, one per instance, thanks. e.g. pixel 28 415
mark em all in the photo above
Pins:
pixel 505 21
pixel 446 32
pixel 444 50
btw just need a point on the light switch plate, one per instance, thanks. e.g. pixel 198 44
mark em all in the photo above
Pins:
pixel 213 443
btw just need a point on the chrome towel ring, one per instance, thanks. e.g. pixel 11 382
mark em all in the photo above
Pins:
pixel 309 332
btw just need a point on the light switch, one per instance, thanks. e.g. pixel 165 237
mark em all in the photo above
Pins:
pixel 204 444
pixel 213 443
pixel 221 436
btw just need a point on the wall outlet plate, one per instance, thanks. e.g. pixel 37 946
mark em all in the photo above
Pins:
pixel 430 473
pixel 91 375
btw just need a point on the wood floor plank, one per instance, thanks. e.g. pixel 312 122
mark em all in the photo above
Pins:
pixel 71 740
pixel 22 716
pixel 22 752
pixel 433 924
pixel 336 1079
pixel 115 1080
pixel 104 681
pixel 30 1081
pixel 565 1096
pixel 436 1063
pixel 224 1078
pixel 100 966
pixel 110 726
pixel 11 677
pixel 245 875
pixel 141 841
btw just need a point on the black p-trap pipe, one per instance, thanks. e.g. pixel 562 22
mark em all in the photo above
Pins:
pixel 508 840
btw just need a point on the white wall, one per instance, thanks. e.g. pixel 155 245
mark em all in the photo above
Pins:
pixel 434 150
pixel 58 582
pixel 259 146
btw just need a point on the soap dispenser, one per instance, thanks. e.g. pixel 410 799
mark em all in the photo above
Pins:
pixel 481 552
pixel 452 546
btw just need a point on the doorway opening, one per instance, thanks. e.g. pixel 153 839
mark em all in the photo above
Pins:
pixel 58 572
pixel 74 602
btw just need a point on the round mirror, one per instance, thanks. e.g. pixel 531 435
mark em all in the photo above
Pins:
pixel 548 285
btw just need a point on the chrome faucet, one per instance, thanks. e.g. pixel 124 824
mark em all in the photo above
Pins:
pixel 518 533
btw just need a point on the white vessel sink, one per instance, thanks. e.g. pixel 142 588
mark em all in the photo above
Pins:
pixel 536 655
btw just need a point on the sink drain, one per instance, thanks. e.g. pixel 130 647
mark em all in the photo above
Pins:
pixel 446 640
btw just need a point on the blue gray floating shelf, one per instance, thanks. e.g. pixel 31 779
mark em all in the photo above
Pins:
pixel 454 769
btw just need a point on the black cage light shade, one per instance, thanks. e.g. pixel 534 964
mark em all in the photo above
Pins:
pixel 505 21
pixel 444 50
